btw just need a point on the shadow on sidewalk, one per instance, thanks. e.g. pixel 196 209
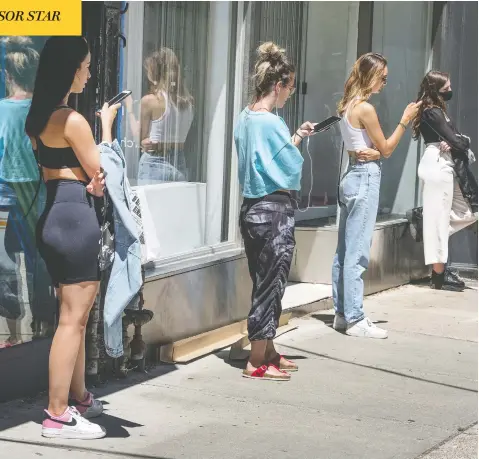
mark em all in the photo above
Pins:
pixel 30 409
pixel 114 425
pixel 328 320
pixel 239 362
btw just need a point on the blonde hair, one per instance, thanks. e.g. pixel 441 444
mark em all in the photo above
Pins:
pixel 21 62
pixel 272 66
pixel 164 74
pixel 366 73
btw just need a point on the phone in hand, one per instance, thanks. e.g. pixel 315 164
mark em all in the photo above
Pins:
pixel 326 124
pixel 118 98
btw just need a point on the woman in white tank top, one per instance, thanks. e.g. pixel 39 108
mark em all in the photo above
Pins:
pixel 359 190
pixel 167 113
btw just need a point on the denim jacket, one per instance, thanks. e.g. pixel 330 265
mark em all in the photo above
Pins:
pixel 125 278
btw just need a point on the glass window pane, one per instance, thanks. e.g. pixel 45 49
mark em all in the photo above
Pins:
pixel 27 302
pixel 330 53
pixel 281 23
pixel 168 95
pixel 320 38
pixel 173 132
pixel 407 57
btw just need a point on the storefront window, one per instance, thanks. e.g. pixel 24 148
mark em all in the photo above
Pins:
pixel 281 23
pixel 408 55
pixel 330 54
pixel 321 39
pixel 174 128
pixel 27 302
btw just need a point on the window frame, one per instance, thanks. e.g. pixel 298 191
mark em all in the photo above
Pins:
pixel 230 248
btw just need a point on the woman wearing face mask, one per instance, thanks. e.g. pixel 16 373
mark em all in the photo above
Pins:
pixel 359 190
pixel 68 232
pixel 270 166
pixel 450 190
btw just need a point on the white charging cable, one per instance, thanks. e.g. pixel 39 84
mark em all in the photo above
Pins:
pixel 311 173
pixel 312 180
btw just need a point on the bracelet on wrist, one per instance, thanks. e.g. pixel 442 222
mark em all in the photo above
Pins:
pixel 403 125
pixel 301 137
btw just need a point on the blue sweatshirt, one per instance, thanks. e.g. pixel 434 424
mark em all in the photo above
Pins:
pixel 17 161
pixel 267 159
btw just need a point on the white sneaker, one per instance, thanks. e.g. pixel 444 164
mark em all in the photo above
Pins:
pixel 339 323
pixel 366 329
pixel 70 425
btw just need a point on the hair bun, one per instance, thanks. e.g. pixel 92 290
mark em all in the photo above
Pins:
pixel 270 52
pixel 16 44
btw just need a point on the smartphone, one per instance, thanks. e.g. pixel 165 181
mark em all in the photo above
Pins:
pixel 326 124
pixel 118 98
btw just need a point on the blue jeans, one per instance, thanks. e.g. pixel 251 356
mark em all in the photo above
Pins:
pixel 170 167
pixel 358 200
pixel 8 198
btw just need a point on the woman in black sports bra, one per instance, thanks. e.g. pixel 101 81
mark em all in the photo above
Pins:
pixel 68 232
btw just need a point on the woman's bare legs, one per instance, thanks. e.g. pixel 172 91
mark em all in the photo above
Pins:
pixel 438 268
pixel 272 355
pixel 77 386
pixel 270 352
pixel 67 354
pixel 258 357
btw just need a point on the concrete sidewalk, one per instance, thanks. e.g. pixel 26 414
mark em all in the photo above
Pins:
pixel 461 446
pixel 403 398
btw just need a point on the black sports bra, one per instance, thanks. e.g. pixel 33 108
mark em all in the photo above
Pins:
pixel 53 157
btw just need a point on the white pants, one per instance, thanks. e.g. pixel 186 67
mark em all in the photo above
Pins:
pixel 445 210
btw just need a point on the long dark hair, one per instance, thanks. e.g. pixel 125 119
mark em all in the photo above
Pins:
pixel 60 58
pixel 430 96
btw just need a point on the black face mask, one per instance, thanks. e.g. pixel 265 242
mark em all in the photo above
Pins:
pixel 446 95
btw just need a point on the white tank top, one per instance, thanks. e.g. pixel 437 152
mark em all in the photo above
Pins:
pixel 353 138
pixel 174 125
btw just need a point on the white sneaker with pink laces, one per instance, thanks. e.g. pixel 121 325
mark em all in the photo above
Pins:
pixel 71 425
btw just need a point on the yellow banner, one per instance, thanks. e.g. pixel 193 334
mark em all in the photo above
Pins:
pixel 40 17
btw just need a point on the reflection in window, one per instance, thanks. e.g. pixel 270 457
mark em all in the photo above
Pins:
pixel 27 303
pixel 178 63
pixel 282 23
pixel 317 36
pixel 166 117
pixel 164 124
pixel 407 56
pixel 327 65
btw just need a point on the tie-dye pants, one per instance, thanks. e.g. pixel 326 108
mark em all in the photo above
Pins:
pixel 267 227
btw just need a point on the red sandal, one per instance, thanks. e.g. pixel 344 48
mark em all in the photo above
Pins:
pixel 284 364
pixel 262 373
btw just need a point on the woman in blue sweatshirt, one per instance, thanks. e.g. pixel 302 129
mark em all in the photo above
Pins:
pixel 270 167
